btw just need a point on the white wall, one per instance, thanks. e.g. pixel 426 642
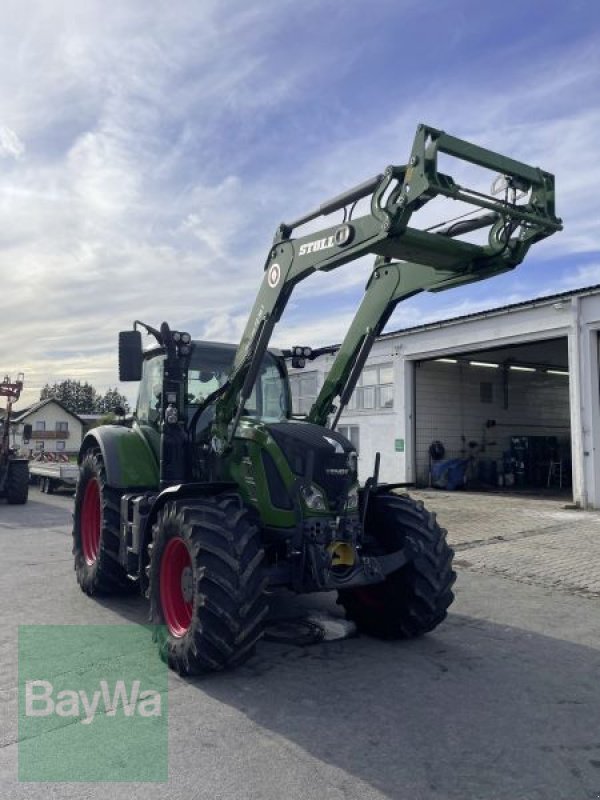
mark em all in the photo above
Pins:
pixel 382 430
pixel 585 403
pixel 578 318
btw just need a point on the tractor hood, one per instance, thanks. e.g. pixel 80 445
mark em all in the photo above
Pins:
pixel 334 457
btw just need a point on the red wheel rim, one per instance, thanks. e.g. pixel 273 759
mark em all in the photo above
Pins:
pixel 176 591
pixel 91 522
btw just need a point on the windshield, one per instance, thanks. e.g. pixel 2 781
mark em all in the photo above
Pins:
pixel 209 369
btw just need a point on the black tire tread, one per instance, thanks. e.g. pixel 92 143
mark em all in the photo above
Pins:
pixel 229 599
pixel 415 599
pixel 106 575
pixel 17 483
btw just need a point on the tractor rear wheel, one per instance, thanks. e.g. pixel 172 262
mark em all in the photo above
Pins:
pixel 414 599
pixel 17 482
pixel 206 584
pixel 96 530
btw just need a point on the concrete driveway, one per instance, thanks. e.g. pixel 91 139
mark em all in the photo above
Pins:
pixel 530 540
pixel 501 702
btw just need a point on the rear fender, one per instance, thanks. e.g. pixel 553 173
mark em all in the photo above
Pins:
pixel 128 459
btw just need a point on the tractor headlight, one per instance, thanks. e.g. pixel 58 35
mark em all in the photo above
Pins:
pixel 314 498
pixel 352 500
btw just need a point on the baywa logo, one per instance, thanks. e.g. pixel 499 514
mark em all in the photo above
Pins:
pixel 97 689
pixel 42 701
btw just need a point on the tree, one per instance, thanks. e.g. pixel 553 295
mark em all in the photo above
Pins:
pixel 79 398
pixel 82 398
pixel 110 401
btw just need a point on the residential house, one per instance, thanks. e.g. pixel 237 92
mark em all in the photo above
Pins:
pixel 54 429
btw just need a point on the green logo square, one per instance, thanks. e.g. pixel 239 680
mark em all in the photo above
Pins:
pixel 92 704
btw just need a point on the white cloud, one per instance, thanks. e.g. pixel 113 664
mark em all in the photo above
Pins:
pixel 581 275
pixel 134 198
pixel 10 144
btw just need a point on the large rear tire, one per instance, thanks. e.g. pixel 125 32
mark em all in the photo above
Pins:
pixel 96 530
pixel 206 584
pixel 17 482
pixel 414 599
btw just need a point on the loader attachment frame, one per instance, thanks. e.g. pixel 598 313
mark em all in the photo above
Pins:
pixel 436 259
pixel 12 391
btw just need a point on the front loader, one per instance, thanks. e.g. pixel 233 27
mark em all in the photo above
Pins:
pixel 14 471
pixel 217 495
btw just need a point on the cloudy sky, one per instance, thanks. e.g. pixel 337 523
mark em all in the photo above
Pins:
pixel 148 151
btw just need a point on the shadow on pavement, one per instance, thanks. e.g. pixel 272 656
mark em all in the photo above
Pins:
pixel 475 710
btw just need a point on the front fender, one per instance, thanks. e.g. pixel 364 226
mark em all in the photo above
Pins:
pixel 128 458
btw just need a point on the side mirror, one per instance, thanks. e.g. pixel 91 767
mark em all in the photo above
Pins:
pixel 27 431
pixel 130 356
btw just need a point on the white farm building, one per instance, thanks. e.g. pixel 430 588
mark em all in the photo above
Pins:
pixel 510 396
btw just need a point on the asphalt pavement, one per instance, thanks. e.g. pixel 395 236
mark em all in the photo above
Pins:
pixel 501 702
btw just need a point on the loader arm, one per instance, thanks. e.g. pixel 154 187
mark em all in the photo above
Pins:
pixel 389 284
pixel 436 259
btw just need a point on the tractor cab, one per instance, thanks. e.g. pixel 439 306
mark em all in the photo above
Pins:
pixel 205 371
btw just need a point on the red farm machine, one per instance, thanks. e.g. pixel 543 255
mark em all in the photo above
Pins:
pixel 14 470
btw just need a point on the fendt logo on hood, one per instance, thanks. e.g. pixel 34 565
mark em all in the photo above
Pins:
pixel 336 445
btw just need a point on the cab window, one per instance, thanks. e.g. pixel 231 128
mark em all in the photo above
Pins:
pixel 149 397
pixel 269 399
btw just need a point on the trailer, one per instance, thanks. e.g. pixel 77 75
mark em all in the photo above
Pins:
pixel 53 475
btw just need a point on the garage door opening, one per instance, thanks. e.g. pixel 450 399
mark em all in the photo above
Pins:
pixel 495 419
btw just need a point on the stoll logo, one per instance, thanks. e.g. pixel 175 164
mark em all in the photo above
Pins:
pixel 341 236
pixel 92 689
pixel 41 700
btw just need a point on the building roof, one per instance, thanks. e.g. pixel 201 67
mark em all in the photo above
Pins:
pixel 23 413
pixel 440 323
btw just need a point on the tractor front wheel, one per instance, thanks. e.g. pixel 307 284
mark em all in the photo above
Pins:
pixel 414 599
pixel 96 530
pixel 206 584
pixel 17 482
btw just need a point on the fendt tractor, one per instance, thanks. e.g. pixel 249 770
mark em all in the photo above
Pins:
pixel 217 496
pixel 14 471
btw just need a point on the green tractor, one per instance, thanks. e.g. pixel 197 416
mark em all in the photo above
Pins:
pixel 217 493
